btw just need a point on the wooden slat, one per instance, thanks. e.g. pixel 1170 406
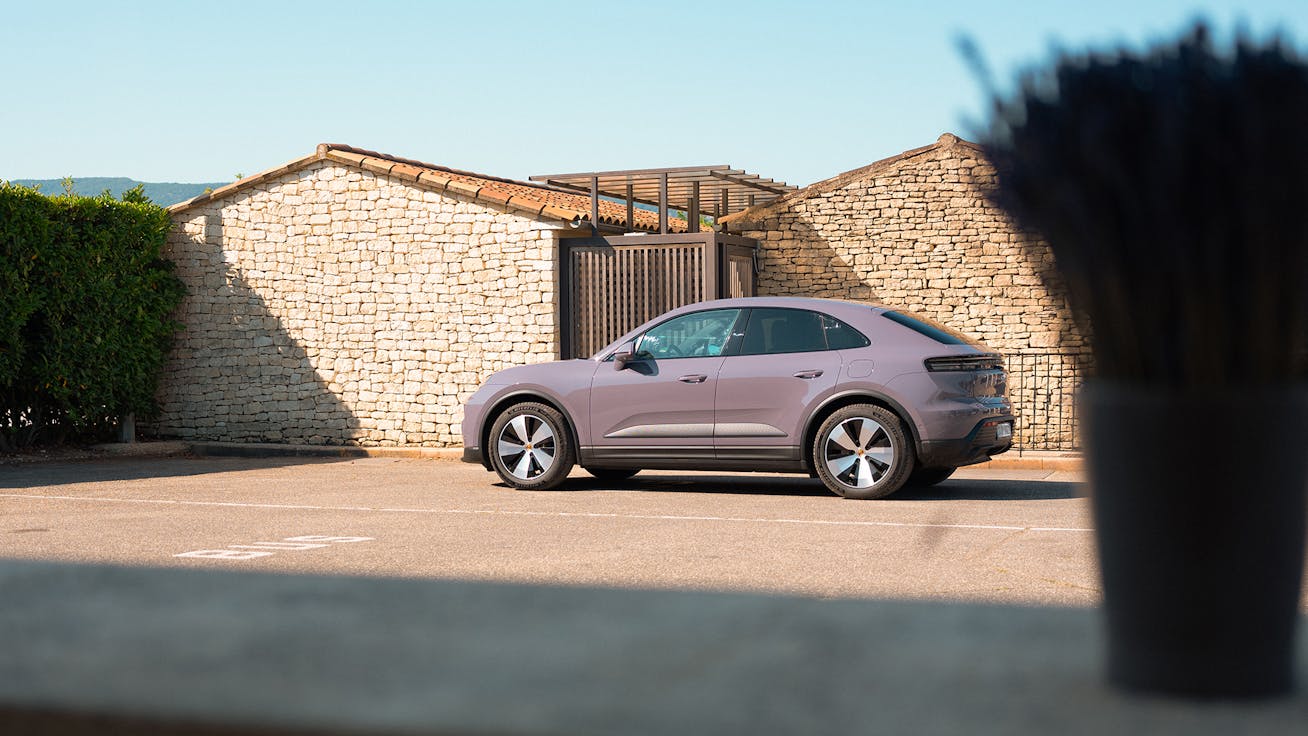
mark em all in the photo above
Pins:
pixel 614 289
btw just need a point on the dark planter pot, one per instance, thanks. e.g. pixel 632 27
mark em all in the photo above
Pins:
pixel 1199 505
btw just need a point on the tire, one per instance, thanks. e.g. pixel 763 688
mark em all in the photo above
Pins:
pixel 862 451
pixel 539 460
pixel 613 475
pixel 927 477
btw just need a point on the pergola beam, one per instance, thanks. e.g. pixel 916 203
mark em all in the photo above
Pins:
pixel 755 183
pixel 663 203
pixel 726 188
pixel 692 211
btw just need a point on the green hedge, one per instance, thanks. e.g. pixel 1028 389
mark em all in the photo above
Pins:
pixel 85 304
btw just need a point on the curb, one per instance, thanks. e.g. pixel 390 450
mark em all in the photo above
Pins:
pixel 261 449
pixel 1053 461
pixel 142 449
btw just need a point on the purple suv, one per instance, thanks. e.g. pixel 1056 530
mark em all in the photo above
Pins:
pixel 864 397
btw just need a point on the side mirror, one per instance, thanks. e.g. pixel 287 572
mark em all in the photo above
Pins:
pixel 623 356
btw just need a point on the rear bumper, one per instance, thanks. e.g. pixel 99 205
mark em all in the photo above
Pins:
pixel 978 446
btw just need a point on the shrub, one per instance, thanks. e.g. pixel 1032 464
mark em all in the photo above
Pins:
pixel 85 304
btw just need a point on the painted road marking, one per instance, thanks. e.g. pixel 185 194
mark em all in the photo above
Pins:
pixel 224 554
pixel 265 549
pixel 579 514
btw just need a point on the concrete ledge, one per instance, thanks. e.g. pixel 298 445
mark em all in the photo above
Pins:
pixel 1035 460
pixel 94 649
pixel 142 449
pixel 262 449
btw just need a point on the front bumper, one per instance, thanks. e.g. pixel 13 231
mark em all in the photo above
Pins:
pixel 981 444
pixel 473 455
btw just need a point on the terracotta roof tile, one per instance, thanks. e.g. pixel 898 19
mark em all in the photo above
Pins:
pixel 433 179
pixel 540 200
pixel 349 156
pixel 406 171
pixel 537 199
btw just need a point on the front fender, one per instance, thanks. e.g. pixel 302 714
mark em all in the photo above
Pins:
pixel 575 407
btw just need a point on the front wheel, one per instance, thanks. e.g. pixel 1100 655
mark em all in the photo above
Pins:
pixel 862 451
pixel 530 447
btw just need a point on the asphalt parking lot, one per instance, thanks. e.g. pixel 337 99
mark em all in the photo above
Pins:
pixel 1001 536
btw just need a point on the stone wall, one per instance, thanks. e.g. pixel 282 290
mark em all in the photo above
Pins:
pixel 916 232
pixel 331 305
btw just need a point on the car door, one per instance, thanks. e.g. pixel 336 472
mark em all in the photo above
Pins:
pixel 661 403
pixel 782 366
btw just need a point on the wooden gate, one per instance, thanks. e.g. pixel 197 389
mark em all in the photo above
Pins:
pixel 611 285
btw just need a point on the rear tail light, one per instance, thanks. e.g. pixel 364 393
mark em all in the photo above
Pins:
pixel 981 362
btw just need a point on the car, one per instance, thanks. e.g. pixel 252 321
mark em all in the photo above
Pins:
pixel 865 397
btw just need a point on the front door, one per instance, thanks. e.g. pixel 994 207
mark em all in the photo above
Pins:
pixel 661 403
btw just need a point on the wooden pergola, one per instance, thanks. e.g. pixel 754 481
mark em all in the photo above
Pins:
pixel 715 191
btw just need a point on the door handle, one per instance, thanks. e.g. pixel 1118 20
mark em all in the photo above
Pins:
pixel 693 378
pixel 808 374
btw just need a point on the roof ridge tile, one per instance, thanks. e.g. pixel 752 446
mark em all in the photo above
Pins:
pixel 541 201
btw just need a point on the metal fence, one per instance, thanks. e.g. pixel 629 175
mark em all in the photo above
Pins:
pixel 1042 387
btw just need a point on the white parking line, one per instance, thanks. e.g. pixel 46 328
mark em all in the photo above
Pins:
pixel 580 514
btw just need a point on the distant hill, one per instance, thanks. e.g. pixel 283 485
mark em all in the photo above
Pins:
pixel 161 193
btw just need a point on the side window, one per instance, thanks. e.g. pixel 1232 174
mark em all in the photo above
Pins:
pixel 841 336
pixel 783 331
pixel 696 335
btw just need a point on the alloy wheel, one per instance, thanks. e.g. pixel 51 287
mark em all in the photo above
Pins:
pixel 858 452
pixel 527 446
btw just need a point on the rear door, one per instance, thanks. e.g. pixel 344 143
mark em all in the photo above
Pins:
pixel 783 366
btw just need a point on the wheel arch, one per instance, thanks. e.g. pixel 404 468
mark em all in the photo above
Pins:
pixel 511 399
pixel 860 396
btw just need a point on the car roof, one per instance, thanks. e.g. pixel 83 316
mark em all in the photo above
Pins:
pixel 834 306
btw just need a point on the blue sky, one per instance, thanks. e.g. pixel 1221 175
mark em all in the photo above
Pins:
pixel 197 91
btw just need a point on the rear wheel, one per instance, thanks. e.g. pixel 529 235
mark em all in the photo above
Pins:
pixel 862 451
pixel 612 475
pixel 530 447
pixel 926 477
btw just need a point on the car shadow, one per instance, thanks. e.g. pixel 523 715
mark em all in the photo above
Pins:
pixel 722 484
pixel 977 489
pixel 958 489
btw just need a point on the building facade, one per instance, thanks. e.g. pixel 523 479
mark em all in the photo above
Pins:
pixel 353 298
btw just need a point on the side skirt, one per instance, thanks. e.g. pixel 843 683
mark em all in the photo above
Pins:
pixel 744 459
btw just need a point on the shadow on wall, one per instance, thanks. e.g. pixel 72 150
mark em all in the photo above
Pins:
pixel 939 250
pixel 805 263
pixel 236 373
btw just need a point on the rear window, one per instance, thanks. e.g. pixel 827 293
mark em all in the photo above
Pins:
pixel 930 328
pixel 841 336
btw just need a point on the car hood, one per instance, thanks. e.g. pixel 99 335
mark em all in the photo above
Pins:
pixel 559 373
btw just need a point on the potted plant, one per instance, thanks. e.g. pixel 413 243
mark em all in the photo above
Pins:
pixel 1171 187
